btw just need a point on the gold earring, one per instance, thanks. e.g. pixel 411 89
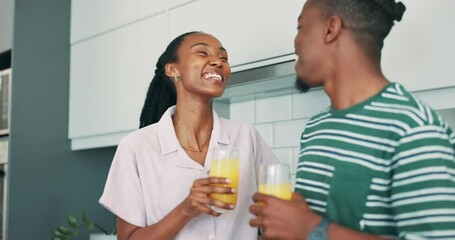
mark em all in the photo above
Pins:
pixel 176 78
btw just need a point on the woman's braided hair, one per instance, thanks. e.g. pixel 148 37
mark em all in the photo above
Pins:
pixel 161 92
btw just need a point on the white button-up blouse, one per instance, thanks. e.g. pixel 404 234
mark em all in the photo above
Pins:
pixel 151 174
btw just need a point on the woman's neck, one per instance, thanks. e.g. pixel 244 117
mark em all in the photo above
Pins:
pixel 193 123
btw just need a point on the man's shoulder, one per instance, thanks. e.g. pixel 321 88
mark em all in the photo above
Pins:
pixel 321 115
pixel 398 103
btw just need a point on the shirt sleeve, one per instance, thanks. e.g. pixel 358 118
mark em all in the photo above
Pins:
pixel 423 184
pixel 122 192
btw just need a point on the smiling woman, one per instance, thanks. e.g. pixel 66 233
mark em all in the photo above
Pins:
pixel 202 67
pixel 159 184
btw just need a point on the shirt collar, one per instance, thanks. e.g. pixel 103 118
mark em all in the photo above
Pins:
pixel 168 139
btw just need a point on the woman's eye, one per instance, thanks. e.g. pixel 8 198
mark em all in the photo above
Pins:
pixel 203 53
pixel 224 59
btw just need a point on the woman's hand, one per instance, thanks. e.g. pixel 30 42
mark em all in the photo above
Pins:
pixel 198 201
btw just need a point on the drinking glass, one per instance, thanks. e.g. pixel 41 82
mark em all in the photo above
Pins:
pixel 274 179
pixel 225 164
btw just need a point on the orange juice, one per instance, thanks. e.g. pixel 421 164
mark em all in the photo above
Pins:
pixel 282 190
pixel 228 168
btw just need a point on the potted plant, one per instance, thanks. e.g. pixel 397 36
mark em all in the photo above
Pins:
pixel 67 233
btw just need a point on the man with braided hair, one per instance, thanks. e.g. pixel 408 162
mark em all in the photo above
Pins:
pixel 377 163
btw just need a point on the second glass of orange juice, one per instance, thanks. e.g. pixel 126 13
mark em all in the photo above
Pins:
pixel 225 163
pixel 274 179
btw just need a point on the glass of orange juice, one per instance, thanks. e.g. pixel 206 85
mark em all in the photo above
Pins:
pixel 274 179
pixel 225 164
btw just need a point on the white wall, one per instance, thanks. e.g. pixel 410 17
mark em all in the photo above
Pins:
pixel 419 50
pixel 6 25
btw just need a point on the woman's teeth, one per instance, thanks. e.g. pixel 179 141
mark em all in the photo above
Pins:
pixel 212 76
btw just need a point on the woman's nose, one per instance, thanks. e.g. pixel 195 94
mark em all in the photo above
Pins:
pixel 215 62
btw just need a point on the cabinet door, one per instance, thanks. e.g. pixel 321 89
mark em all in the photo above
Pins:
pixel 6 25
pixel 90 18
pixel 110 75
pixel 419 50
pixel 252 30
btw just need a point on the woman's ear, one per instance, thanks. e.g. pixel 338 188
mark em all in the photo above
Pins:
pixel 332 30
pixel 171 70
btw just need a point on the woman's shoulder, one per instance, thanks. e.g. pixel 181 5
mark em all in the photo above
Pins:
pixel 235 124
pixel 140 135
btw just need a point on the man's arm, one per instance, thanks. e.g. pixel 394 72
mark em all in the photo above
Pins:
pixel 423 184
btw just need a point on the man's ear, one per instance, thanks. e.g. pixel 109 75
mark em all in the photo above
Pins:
pixel 171 70
pixel 333 29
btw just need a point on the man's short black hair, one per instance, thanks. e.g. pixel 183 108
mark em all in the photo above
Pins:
pixel 369 20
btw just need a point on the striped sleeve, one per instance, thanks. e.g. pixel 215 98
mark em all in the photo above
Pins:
pixel 423 184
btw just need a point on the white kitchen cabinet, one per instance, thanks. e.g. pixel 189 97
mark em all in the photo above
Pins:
pixel 109 78
pixel 115 44
pixel 6 25
pixel 91 18
pixel 419 50
pixel 251 31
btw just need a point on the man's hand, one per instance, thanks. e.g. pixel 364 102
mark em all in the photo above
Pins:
pixel 282 219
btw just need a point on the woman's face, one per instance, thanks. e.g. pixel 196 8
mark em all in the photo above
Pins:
pixel 202 65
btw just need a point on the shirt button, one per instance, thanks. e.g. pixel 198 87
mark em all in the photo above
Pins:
pixel 212 237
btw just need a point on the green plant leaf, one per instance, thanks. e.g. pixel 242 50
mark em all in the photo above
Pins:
pixel 63 230
pixel 84 216
pixel 90 225
pixel 72 221
pixel 57 233
pixel 60 238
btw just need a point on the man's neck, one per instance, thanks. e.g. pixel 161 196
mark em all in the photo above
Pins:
pixel 355 80
pixel 345 94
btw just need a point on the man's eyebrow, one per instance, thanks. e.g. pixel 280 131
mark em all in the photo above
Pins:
pixel 207 45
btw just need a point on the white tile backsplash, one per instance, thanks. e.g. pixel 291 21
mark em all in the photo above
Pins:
pixel 274 109
pixel 305 105
pixel 280 120
pixel 266 131
pixel 293 177
pixel 287 133
pixel 284 155
pixel 295 159
pixel 242 111
pixel 222 109
pixel 448 115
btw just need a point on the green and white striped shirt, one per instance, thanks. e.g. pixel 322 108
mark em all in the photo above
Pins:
pixel 385 167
